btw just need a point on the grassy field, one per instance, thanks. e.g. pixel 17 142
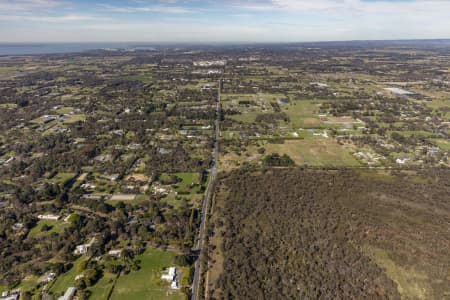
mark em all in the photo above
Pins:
pixel 63 178
pixel 67 279
pixel 57 227
pixel 315 152
pixel 100 290
pixel 248 117
pixel 436 104
pixel 442 143
pixel 145 283
pixel 74 119
pixel 28 284
pixel 411 284
pixel 175 201
pixel 8 105
pixel 3 288
pixel 65 110
pixel 188 179
pixel 304 114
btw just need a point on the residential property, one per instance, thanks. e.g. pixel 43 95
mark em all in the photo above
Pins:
pixel 13 295
pixel 49 217
pixel 69 294
pixel 47 277
pixel 171 276
pixel 115 253
pixel 399 91
pixel 402 160
pixel 319 84
pixel 83 249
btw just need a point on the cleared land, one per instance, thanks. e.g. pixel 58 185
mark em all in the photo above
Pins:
pixel 314 152
pixel 146 283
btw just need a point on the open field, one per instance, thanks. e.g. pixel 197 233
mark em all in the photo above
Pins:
pixel 102 288
pixel 63 178
pixel 314 152
pixel 55 227
pixel 442 143
pixel 66 280
pixel 146 283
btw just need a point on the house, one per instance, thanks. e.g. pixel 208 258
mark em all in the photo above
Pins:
pixel 319 84
pixel 399 91
pixel 18 226
pixel 68 295
pixel 283 101
pixel 7 295
pixel 171 275
pixel 83 249
pixel 49 217
pixel 174 285
pixel 402 160
pixel 115 253
pixel 78 277
pixel 112 177
pixel 47 277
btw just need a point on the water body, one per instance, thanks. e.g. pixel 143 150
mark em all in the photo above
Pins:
pixel 29 49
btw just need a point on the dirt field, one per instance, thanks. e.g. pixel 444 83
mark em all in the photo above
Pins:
pixel 123 197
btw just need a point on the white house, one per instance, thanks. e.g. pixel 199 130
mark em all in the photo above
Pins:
pixel 49 217
pixel 7 295
pixel 83 249
pixel 402 161
pixel 115 253
pixel 68 295
pixel 171 275
pixel 174 285
pixel 49 276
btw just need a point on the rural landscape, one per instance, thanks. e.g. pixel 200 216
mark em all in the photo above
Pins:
pixel 290 171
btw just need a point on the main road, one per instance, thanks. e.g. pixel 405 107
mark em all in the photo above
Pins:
pixel 207 198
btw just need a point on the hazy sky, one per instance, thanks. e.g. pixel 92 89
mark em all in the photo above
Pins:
pixel 221 21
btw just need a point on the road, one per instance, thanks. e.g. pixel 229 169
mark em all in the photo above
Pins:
pixel 207 199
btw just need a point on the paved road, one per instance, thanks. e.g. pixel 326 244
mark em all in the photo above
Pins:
pixel 207 198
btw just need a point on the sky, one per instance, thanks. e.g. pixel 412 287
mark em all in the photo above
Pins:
pixel 215 21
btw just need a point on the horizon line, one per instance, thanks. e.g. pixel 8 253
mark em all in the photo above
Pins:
pixel 223 42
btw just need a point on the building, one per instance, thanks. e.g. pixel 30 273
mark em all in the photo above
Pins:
pixel 283 101
pixel 116 253
pixel 7 295
pixel 319 84
pixel 170 276
pixel 49 276
pixel 68 295
pixel 174 285
pixel 402 160
pixel 83 249
pixel 400 92
pixel 49 217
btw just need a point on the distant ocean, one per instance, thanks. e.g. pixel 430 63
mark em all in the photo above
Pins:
pixel 28 49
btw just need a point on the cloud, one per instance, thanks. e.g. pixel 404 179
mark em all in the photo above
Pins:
pixel 350 6
pixel 223 20
pixel 27 5
pixel 52 19
pixel 152 8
